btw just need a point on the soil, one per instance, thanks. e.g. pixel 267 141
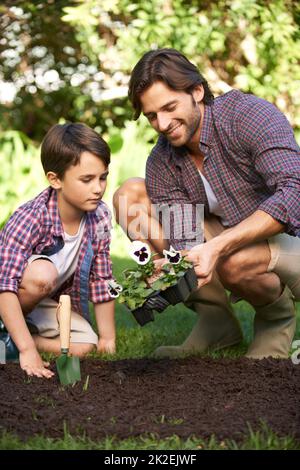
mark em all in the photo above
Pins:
pixel 187 397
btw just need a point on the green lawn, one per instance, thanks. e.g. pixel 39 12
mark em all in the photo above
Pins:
pixel 134 341
pixel 263 440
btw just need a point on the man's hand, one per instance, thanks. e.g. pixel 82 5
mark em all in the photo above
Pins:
pixel 204 257
pixel 158 264
pixel 32 363
pixel 106 346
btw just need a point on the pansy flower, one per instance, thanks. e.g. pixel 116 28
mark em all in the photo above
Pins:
pixel 172 256
pixel 114 289
pixel 140 252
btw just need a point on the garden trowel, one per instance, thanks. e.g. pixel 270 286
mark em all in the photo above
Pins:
pixel 68 367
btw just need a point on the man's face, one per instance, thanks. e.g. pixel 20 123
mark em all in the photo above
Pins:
pixel 175 114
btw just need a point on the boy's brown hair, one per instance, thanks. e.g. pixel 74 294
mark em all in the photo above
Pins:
pixel 64 144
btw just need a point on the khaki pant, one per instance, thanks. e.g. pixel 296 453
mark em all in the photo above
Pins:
pixel 43 321
pixel 284 250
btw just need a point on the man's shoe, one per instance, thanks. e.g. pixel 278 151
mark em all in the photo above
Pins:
pixel 274 328
pixel 214 330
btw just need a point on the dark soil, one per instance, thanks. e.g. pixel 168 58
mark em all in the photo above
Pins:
pixel 193 396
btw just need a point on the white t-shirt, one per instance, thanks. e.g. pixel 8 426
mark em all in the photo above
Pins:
pixel 214 206
pixel 66 259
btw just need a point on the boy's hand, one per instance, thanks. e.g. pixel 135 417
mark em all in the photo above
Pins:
pixel 106 346
pixel 32 363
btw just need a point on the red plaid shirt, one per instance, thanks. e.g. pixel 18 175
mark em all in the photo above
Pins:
pixel 36 228
pixel 251 160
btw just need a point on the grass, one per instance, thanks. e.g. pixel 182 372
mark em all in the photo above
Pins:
pixel 134 341
pixel 264 439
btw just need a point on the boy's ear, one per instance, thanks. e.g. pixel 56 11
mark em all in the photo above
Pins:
pixel 53 179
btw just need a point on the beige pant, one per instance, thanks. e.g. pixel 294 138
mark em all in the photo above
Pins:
pixel 285 260
pixel 44 319
pixel 284 250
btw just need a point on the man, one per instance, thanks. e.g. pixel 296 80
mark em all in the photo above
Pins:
pixel 237 155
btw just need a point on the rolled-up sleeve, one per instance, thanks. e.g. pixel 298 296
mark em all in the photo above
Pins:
pixel 270 140
pixel 17 239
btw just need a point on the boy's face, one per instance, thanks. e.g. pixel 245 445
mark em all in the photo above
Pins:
pixel 82 185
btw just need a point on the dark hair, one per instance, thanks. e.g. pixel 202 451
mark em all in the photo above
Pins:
pixel 64 144
pixel 168 66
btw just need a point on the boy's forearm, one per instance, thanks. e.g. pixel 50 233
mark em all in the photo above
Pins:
pixel 13 319
pixel 105 318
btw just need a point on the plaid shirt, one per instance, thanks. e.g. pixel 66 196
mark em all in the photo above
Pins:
pixel 35 228
pixel 251 160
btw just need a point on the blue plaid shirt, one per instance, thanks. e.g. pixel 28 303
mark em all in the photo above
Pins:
pixel 251 160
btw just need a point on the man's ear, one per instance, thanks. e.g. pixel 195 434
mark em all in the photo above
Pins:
pixel 54 180
pixel 198 93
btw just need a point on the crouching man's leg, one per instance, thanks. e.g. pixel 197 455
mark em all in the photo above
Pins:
pixel 264 275
pixel 217 326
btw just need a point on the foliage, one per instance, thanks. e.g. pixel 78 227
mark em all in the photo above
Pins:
pixel 21 173
pixel 72 59
pixel 47 73
pixel 137 286
pixel 250 44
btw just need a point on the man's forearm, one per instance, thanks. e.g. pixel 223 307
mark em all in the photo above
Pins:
pixel 259 226
pixel 13 318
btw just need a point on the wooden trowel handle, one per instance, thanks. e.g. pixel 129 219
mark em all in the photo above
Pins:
pixel 64 316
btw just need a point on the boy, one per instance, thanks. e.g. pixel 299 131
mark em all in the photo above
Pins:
pixel 59 243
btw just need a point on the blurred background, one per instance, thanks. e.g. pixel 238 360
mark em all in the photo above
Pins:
pixel 71 60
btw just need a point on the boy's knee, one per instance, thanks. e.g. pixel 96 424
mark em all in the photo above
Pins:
pixel 81 349
pixel 40 278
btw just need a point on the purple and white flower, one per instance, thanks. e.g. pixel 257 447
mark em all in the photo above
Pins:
pixel 140 252
pixel 172 256
pixel 114 289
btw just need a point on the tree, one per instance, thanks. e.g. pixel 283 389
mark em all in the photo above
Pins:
pixel 72 60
